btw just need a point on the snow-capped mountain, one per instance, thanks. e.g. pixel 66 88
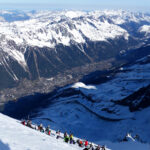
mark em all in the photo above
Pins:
pixel 145 29
pixel 50 29
pixel 41 51
pixel 62 40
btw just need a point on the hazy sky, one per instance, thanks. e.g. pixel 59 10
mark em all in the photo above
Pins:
pixel 76 4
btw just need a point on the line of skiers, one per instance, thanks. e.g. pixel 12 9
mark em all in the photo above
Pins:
pixel 67 138
pixel 39 127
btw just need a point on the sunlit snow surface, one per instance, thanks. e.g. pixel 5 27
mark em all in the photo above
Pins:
pixel 15 136
pixel 145 29
pixel 52 28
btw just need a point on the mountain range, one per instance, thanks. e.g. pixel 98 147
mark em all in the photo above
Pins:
pixel 78 71
pixel 59 48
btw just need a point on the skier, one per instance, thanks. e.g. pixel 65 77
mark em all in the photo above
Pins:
pixel 71 139
pixel 65 134
pixel 103 147
pixel 66 139
pixel 91 147
pixel 86 143
pixel 80 143
pixel 57 134
pixel 23 122
pixel 48 131
pixel 29 124
pixel 40 128
pixel 98 147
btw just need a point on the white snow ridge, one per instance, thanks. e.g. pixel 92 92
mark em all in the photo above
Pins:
pixel 52 28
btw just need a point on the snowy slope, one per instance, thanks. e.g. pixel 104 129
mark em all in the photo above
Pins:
pixel 145 29
pixel 15 136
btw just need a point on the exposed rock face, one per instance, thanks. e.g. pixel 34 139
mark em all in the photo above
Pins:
pixel 138 100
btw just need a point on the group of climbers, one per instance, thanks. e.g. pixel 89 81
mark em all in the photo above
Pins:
pixel 81 143
pixel 67 138
pixel 89 146
pixel 39 127
pixel 85 143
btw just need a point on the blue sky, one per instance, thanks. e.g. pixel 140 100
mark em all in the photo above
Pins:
pixel 76 4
